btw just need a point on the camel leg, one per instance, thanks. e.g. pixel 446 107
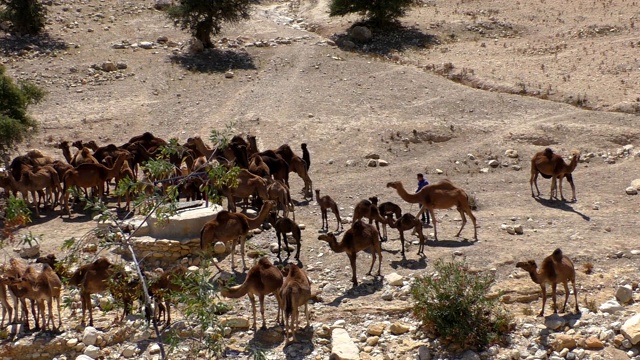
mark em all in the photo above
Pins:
pixel 264 323
pixel 233 251
pixel 51 318
pixel 464 221
pixel 566 295
pixel 560 186
pixel 280 307
pixel 252 299
pixel 435 224
pixel 339 225
pixel 544 298
pixel 534 181
pixel 554 188
pixel 553 293
pixel 167 311
pixel 573 187
pixel 575 294
pixel 352 261
pixel 402 241
pixel 379 250
pixel 87 302
pixel 306 313
pixel 373 260
pixel 286 243
pixel 421 237
pixel 59 317
pixel 243 239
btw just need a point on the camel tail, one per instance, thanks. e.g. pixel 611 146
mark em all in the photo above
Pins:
pixel 548 153
pixel 557 255
pixel 288 301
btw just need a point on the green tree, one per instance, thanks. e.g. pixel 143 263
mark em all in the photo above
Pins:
pixel 205 17
pixel 376 11
pixel 15 123
pixel 27 16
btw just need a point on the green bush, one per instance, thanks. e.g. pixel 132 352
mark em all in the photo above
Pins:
pixel 376 11
pixel 454 304
pixel 27 16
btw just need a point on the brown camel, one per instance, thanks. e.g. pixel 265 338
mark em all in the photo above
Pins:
pixel 90 175
pixel 326 202
pixel 14 270
pixel 283 226
pixel 441 195
pixel 166 283
pixel 551 165
pixel 262 279
pixel 258 167
pixel 369 209
pixel 35 180
pixel 66 152
pixel 83 156
pixel 91 144
pixel 248 184
pixel 279 192
pixel 361 236
pixel 305 156
pixel 295 292
pixel 404 223
pixel 298 166
pixel 229 226
pixel 41 285
pixel 555 268
pixel 6 308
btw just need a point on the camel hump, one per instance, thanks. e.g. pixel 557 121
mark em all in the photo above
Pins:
pixel 548 153
pixel 223 215
pixel 557 255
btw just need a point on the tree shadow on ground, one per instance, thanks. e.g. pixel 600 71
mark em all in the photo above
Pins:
pixel 561 205
pixel 365 287
pixel 19 45
pixel 214 60
pixel 412 264
pixel 392 37
pixel 449 243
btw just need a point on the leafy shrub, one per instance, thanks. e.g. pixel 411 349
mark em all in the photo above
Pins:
pixel 454 304
pixel 27 16
pixel 377 11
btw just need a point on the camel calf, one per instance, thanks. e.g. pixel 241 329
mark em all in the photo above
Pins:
pixel 40 286
pixel 295 292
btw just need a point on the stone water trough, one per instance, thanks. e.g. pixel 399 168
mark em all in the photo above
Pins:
pixel 161 244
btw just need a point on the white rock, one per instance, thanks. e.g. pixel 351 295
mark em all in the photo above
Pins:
pixel 83 357
pixel 146 44
pixel 338 324
pixel 219 248
pixel 90 335
pixel 394 279
pixel 383 163
pixel 92 351
pixel 518 229
pixel 611 307
pixel 372 163
pixel 636 184
pixel 624 294
pixel 342 347
pixel 129 351
pixel 631 329
pixel 71 343
pixel 439 172
pixel 154 349
pixel 484 170
pixel 631 191
pixel 471 157
pixel 493 163
pixel 511 153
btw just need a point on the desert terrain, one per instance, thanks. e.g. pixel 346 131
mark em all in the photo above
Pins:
pixel 463 83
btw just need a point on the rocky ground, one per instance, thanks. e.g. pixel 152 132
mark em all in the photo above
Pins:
pixel 439 98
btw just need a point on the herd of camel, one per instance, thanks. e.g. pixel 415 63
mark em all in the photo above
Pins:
pixel 263 177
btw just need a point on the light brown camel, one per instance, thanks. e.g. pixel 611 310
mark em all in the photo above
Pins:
pixel 164 285
pixel 279 192
pixel 213 154
pixel 6 308
pixel 91 144
pixel 90 175
pixel 553 166
pixel 16 269
pixel 361 236
pixel 283 226
pixel 248 184
pixel 32 182
pixel 404 223
pixel 298 166
pixel 326 202
pixel 262 279
pixel 83 156
pixel 258 167
pixel 295 292
pixel 555 268
pixel 41 285
pixel 440 195
pixel 232 227
pixel 369 209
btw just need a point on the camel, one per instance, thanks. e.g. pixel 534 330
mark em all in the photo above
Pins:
pixel 6 308
pixel 14 270
pixel 361 236
pixel 66 152
pixel 96 277
pixel 230 226
pixel 90 175
pixel 248 184
pixel 369 209
pixel 551 165
pixel 222 155
pixel 258 167
pixel 326 202
pixel 295 292
pixel 32 182
pixel 555 268
pixel 279 192
pixel 404 223
pixel 40 286
pixel 79 144
pixel 278 167
pixel 283 226
pixel 83 156
pixel 262 279
pixel 164 285
pixel 305 156
pixel 298 166
pixel 33 157
pixel 441 195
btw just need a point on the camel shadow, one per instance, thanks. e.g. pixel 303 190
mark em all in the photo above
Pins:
pixel 561 205
pixel 449 243
pixel 364 288
pixel 386 39
pixel 412 264
pixel 214 60
pixel 43 43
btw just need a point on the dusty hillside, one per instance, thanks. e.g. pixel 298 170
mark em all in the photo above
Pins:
pixel 280 77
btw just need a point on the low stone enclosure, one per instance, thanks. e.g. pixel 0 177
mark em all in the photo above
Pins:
pixel 166 243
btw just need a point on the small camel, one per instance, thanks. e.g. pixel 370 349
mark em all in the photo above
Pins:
pixel 229 226
pixel 295 292
pixel 248 185
pixel 165 284
pixel 41 285
pixel 404 223
pixel 441 195
pixel 551 165
pixel 283 226
pixel 369 209
pixel 361 236
pixel 326 202
pixel 555 268
pixel 279 192
pixel 262 279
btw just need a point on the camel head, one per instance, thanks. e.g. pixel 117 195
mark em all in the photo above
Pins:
pixel 49 259
pixel 63 145
pixel 78 144
pixel 529 266
pixel 394 184
pixel 374 200
pixel 330 238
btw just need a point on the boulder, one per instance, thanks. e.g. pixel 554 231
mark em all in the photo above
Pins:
pixel 92 351
pixel 394 279
pixel 511 153
pixel 594 343
pixel 109 66
pixel 624 294
pixel 90 335
pixel 162 4
pixel 342 347
pixel 372 163
pixel 611 307
pixel 554 322
pixel 361 34
pixel 631 329
pixel 398 328
pixel 376 329
pixel 631 191
pixel 564 341
pixel 235 322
